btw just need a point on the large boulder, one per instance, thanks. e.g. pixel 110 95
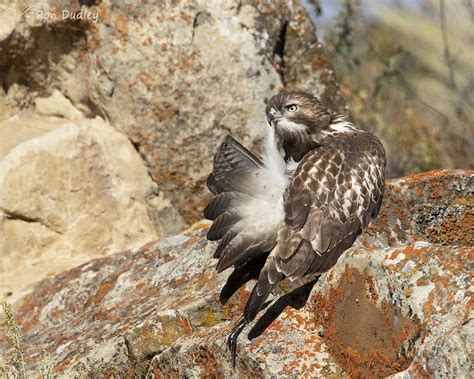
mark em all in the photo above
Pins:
pixel 174 76
pixel 70 191
pixel 397 303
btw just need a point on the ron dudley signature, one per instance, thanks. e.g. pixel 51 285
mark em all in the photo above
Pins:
pixel 40 11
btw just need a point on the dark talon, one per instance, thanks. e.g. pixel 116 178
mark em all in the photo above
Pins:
pixel 232 339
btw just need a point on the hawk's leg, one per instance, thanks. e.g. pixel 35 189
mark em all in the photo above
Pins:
pixel 232 339
pixel 235 333
pixel 296 299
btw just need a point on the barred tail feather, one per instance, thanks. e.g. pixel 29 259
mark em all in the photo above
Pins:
pixel 241 275
pixel 256 301
pixel 268 279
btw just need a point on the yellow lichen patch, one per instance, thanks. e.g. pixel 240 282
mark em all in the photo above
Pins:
pixel 209 318
pixel 155 336
pixel 463 201
pixel 407 291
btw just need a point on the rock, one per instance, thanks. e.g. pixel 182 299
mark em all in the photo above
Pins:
pixel 155 335
pixel 16 130
pixel 70 192
pixel 9 21
pixel 397 303
pixel 113 357
pixel 57 105
pixel 108 359
pixel 175 77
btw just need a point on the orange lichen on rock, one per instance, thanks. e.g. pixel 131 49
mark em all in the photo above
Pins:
pixel 422 281
pixel 368 339
pixel 371 288
pixel 207 361
pixel 430 175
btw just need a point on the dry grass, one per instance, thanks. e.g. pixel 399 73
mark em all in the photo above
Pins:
pixel 15 366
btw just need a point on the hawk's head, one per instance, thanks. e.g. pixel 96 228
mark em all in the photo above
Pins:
pixel 297 116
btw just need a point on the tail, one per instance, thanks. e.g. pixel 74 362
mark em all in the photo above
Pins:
pixel 241 275
pixel 268 279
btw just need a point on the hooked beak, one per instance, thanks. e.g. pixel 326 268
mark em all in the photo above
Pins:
pixel 270 119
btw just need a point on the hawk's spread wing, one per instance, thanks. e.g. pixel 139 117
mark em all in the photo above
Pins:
pixel 246 210
pixel 335 191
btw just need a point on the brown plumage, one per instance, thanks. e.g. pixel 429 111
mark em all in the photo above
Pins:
pixel 275 221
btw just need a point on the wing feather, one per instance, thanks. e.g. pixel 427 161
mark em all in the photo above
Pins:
pixel 246 209
pixel 221 203
pixel 222 225
pixel 301 258
pixel 224 241
pixel 232 164
pixel 241 248
pixel 346 178
pixel 297 210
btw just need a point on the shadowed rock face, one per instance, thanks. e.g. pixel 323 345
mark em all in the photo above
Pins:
pixel 396 302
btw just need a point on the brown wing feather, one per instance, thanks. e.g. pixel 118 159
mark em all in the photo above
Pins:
pixel 244 246
pixel 219 205
pixel 344 183
pixel 232 164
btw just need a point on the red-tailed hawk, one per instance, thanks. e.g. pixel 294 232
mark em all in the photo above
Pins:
pixel 292 217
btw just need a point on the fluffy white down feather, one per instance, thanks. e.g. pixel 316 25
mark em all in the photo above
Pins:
pixel 264 212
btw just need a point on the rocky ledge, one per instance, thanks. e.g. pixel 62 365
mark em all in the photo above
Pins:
pixel 396 304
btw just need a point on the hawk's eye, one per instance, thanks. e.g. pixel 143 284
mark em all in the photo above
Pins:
pixel 292 108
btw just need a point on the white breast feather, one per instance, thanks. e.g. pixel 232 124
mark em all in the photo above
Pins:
pixel 265 211
pixel 291 166
pixel 290 126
